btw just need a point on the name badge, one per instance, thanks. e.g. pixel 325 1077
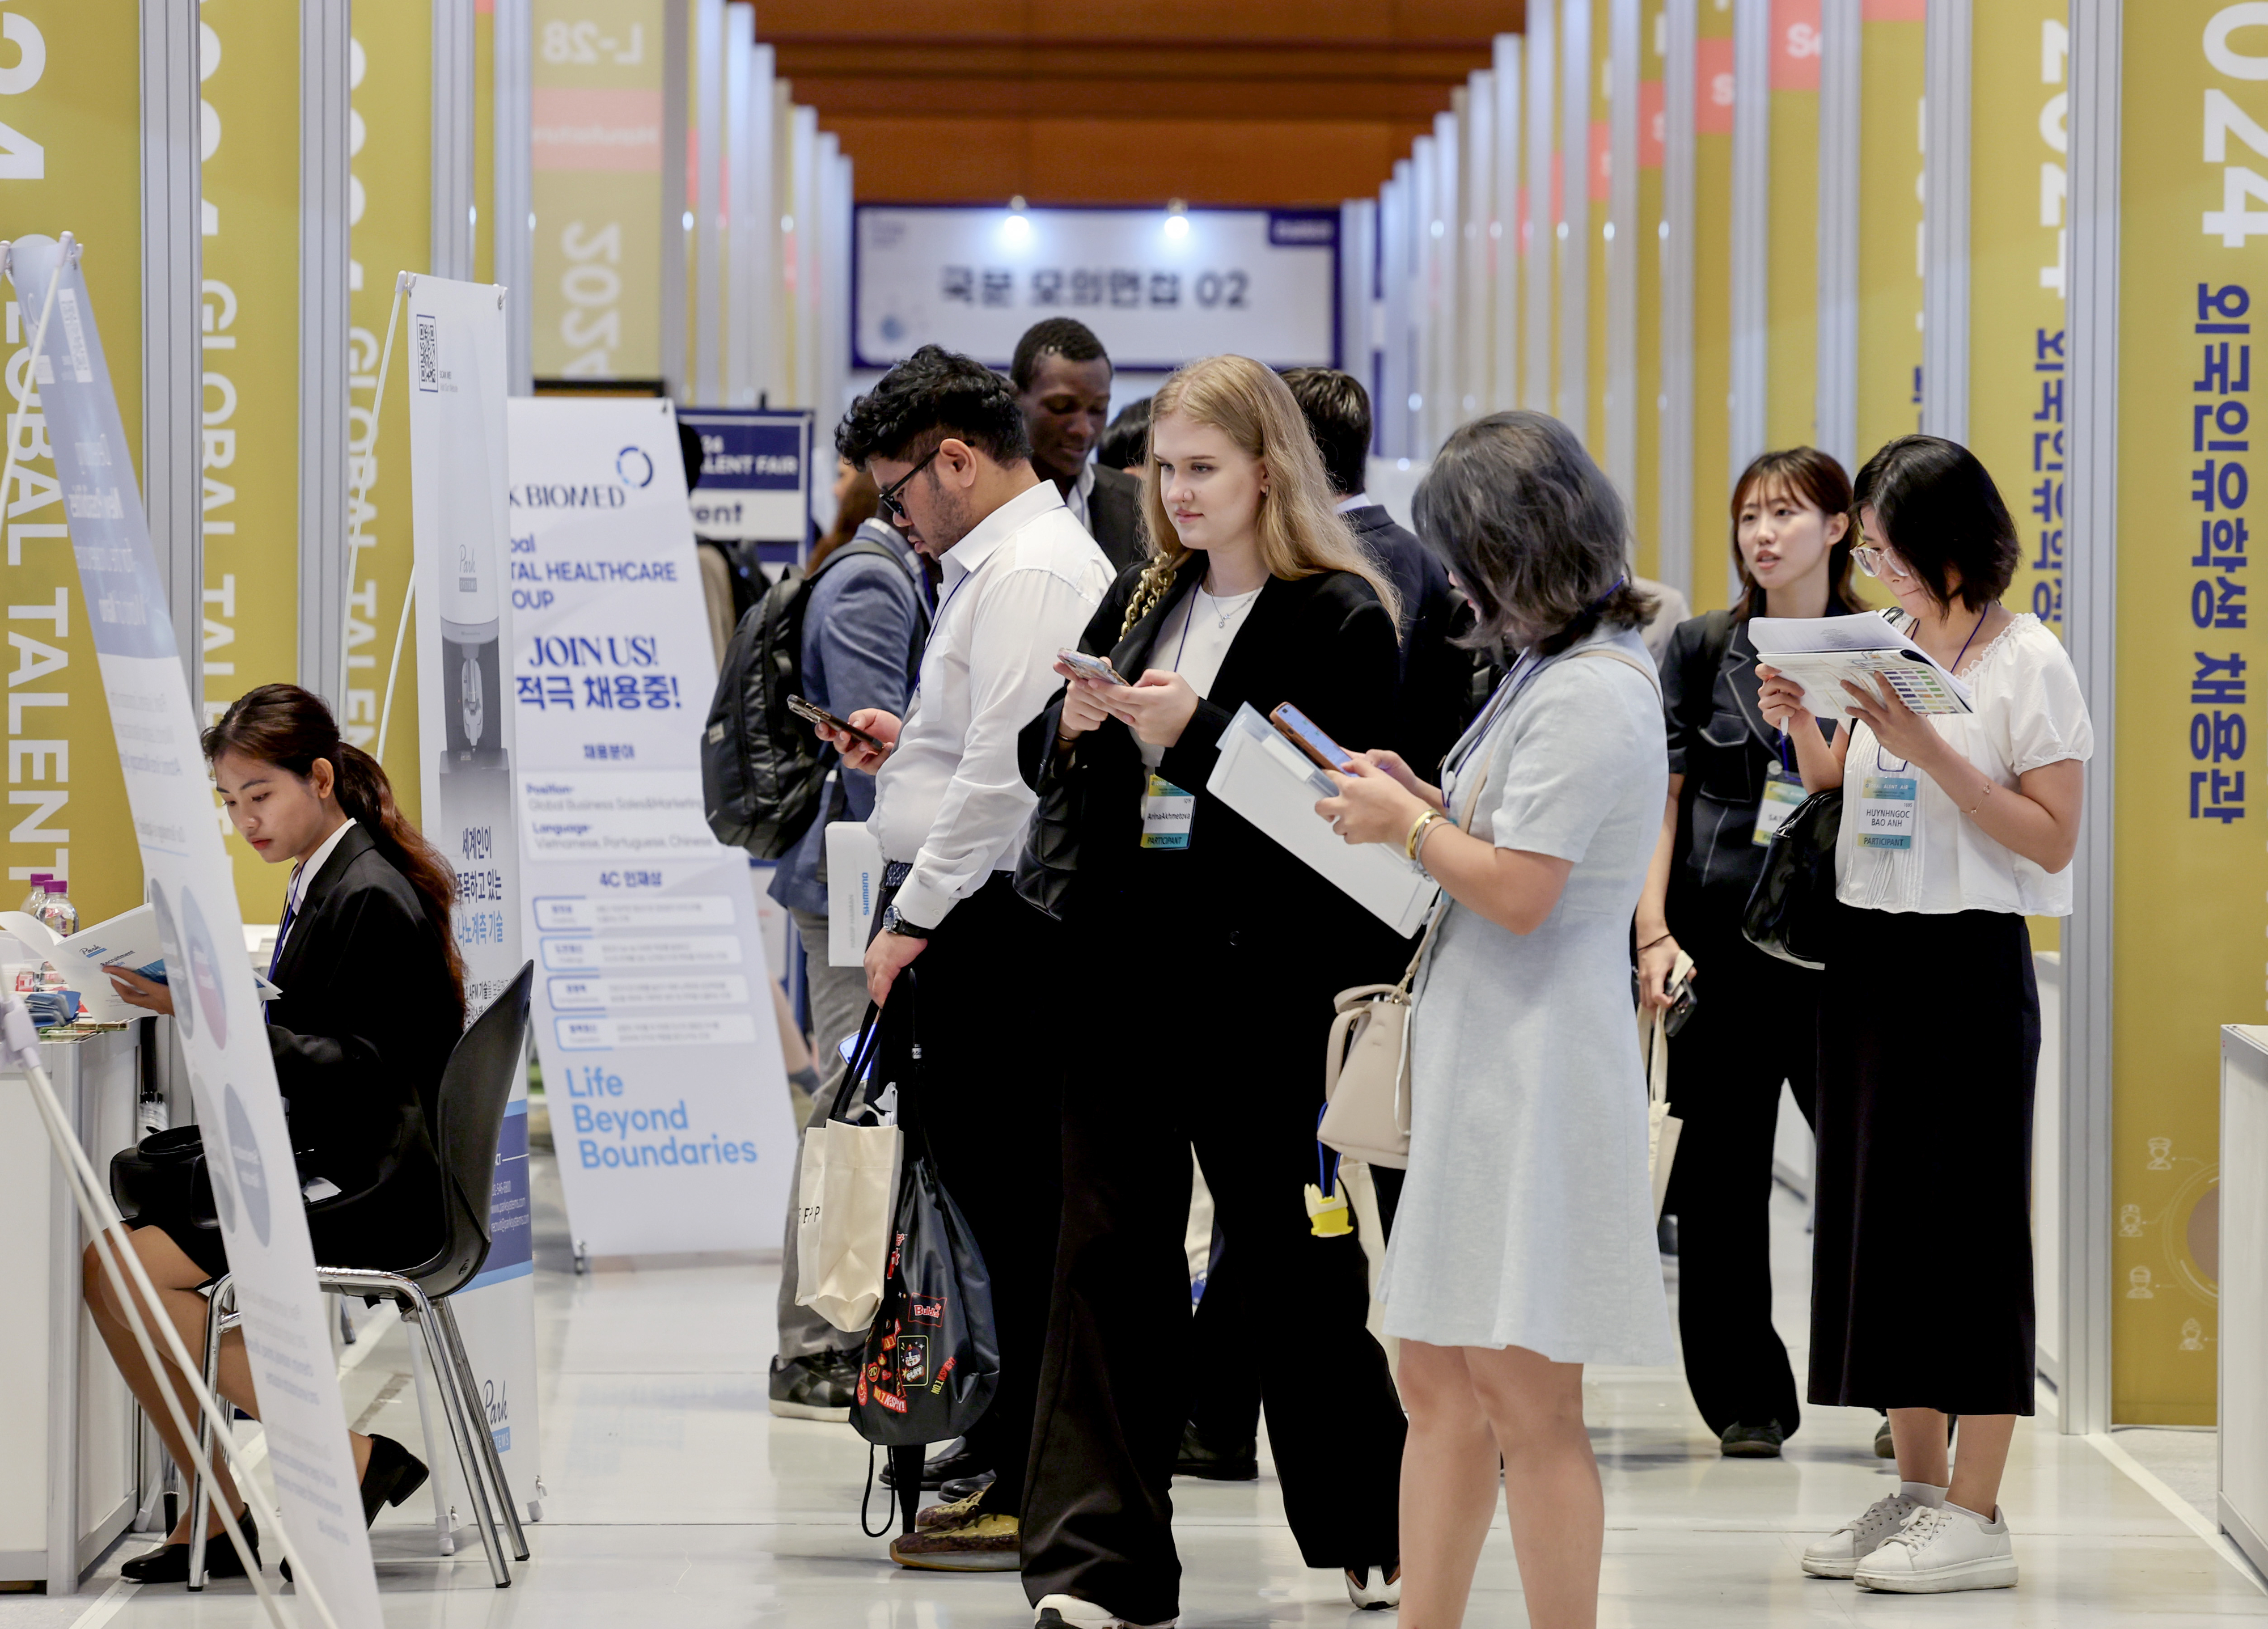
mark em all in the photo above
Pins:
pixel 1889 811
pixel 1783 793
pixel 1167 811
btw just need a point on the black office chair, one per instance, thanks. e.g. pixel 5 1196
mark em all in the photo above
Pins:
pixel 468 1122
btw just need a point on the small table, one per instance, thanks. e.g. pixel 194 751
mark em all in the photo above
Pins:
pixel 2243 1335
pixel 68 1459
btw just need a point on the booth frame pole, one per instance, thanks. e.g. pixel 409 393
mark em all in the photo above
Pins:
pixel 676 108
pixel 1622 252
pixel 514 236
pixel 1574 251
pixel 1504 249
pixel 2091 610
pixel 1946 78
pixel 323 58
pixel 454 116
pixel 173 353
pixel 1751 294
pixel 1841 80
pixel 1536 250
pixel 1674 548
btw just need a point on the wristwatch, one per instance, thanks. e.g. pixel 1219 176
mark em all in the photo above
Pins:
pixel 893 922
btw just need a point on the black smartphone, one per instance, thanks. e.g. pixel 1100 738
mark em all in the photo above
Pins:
pixel 1682 1001
pixel 812 713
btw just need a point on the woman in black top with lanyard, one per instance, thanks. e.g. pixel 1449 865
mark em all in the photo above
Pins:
pixel 1232 950
pixel 1732 781
pixel 372 1003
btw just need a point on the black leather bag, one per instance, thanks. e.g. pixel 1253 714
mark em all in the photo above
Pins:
pixel 1791 907
pixel 163 1178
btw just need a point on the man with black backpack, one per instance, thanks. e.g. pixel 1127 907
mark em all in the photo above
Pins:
pixel 944 439
pixel 863 617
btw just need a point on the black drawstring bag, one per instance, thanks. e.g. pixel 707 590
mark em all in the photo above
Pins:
pixel 1793 904
pixel 932 1358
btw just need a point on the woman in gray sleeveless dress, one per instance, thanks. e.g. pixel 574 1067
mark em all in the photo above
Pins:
pixel 1524 1247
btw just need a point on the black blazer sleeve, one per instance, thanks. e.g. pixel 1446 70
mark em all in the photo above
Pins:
pixel 368 1016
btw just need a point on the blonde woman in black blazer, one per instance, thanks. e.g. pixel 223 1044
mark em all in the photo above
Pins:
pixel 1203 993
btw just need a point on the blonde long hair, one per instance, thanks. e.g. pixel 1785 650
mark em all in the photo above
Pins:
pixel 1299 532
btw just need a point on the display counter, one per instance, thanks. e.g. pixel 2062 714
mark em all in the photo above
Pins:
pixel 2244 1331
pixel 68 1432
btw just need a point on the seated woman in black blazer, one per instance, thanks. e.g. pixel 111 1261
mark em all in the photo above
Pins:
pixel 372 1003
pixel 1208 956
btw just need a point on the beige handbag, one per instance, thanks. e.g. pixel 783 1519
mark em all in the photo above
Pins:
pixel 1662 1128
pixel 1367 1061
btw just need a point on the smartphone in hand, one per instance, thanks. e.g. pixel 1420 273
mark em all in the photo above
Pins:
pixel 1302 733
pixel 813 713
pixel 1095 667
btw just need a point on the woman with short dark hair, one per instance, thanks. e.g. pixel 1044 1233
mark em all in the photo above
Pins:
pixel 1524 1245
pixel 1955 828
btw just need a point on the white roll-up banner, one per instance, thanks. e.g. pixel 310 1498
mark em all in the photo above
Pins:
pixel 661 1060
pixel 465 726
pixel 232 1074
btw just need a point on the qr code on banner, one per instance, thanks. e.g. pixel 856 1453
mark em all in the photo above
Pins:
pixel 429 352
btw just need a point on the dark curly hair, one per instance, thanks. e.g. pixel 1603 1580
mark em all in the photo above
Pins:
pixel 1053 336
pixel 931 395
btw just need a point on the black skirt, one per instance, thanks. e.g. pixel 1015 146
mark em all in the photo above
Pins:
pixel 400 1225
pixel 1921 1275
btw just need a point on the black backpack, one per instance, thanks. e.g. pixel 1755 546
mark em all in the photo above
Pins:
pixel 763 772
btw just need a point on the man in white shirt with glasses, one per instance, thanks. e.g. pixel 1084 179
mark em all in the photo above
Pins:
pixel 945 440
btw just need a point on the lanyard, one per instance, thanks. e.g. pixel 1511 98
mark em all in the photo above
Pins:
pixel 935 624
pixel 1193 596
pixel 1955 668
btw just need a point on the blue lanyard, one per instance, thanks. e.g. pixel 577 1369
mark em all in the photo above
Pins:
pixel 1955 669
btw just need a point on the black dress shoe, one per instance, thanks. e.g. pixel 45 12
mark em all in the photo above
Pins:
pixel 950 1463
pixel 1752 1441
pixel 170 1563
pixel 392 1475
pixel 1196 1459
pixel 961 1487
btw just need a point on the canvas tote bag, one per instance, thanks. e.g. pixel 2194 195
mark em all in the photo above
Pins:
pixel 846 1194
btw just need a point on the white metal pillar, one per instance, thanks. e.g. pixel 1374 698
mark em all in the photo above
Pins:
pixel 1840 81
pixel 1946 77
pixel 1674 548
pixel 1537 241
pixel 514 182
pixel 1621 249
pixel 1504 227
pixel 453 139
pixel 1751 290
pixel 323 96
pixel 2090 623
pixel 172 351
pixel 1573 242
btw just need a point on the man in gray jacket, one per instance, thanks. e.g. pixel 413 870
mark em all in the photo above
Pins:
pixel 862 633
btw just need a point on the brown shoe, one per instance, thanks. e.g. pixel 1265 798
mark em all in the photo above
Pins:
pixel 987 1544
pixel 955 1512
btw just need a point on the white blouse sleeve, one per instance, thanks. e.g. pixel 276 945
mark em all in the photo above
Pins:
pixel 2044 719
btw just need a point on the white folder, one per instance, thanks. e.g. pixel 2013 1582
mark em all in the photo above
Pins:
pixel 1263 777
pixel 854 883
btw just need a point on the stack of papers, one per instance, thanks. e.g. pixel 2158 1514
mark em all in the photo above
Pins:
pixel 129 940
pixel 1265 778
pixel 1822 652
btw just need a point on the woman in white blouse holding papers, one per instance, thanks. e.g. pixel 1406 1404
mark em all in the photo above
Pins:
pixel 1954 829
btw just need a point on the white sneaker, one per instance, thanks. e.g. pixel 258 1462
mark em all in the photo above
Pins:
pixel 1068 1611
pixel 1374 1598
pixel 1942 1549
pixel 1838 1554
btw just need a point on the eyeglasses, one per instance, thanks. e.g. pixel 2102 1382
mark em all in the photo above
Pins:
pixel 1880 562
pixel 886 500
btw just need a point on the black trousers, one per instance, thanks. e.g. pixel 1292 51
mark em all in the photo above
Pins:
pixel 1754 1024
pixel 1225 1359
pixel 993 1112
pixel 1233 1070
pixel 1911 1130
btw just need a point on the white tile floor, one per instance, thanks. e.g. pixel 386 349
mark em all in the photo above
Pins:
pixel 675 1499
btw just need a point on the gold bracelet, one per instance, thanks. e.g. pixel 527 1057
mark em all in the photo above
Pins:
pixel 1418 830
pixel 1982 801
